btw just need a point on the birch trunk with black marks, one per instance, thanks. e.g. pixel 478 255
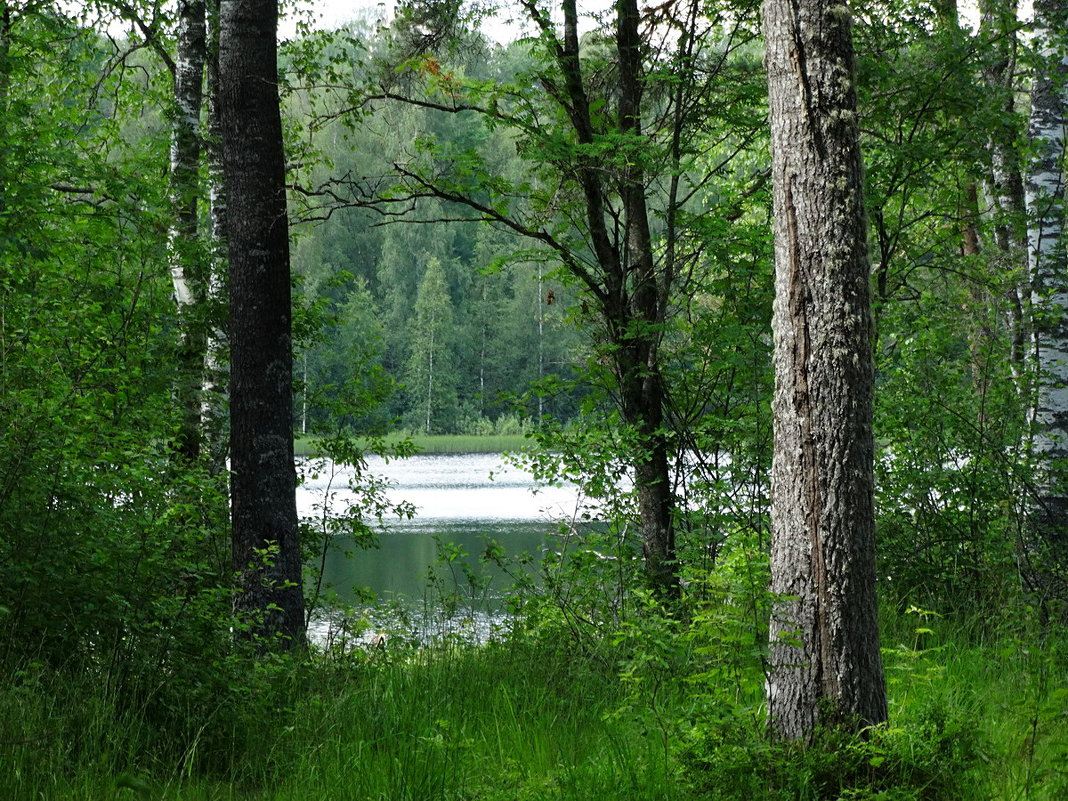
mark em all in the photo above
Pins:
pixel 825 664
pixel 266 539
pixel 188 273
pixel 1046 539
pixel 216 352
pixel 1005 184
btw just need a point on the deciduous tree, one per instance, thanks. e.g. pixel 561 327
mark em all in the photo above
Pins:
pixel 266 547
pixel 613 180
pixel 825 660
pixel 187 264
pixel 1047 537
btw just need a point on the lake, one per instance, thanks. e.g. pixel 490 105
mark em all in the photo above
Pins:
pixel 467 500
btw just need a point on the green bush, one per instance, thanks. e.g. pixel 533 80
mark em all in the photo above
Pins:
pixel 935 758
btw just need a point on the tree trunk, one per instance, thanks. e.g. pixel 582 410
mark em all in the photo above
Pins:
pixel 187 272
pixel 999 23
pixel 430 380
pixel 1046 545
pixel 980 335
pixel 825 661
pixel 266 547
pixel 6 22
pixel 216 358
pixel 656 501
pixel 639 332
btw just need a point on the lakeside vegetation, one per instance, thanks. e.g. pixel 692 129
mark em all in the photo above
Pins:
pixel 977 713
pixel 127 671
pixel 429 443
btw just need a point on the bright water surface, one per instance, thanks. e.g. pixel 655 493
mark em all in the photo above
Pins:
pixel 466 499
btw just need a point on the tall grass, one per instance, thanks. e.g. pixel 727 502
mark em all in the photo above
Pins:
pixel 973 717
pixel 1006 688
pixel 490 722
pixel 472 723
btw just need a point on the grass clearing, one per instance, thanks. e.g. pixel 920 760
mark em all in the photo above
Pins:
pixel 971 719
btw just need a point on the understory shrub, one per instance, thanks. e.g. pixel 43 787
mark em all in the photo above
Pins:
pixel 934 758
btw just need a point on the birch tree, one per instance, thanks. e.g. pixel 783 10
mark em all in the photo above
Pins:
pixel 186 261
pixel 824 650
pixel 430 375
pixel 1047 536
pixel 216 350
pixel 998 26
pixel 266 545
pixel 196 255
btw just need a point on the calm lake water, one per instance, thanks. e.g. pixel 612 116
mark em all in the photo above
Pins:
pixel 468 500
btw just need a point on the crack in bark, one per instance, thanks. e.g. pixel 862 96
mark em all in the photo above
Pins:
pixel 802 399
pixel 799 59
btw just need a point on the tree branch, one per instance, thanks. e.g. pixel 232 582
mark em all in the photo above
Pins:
pixel 149 31
pixel 489 214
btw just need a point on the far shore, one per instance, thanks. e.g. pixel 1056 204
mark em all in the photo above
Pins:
pixel 435 443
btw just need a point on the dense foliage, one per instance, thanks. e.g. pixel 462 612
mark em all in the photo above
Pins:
pixel 415 315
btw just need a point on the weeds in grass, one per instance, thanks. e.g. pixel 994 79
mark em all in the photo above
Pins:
pixel 532 719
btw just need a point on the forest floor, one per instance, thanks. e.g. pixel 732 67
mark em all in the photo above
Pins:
pixel 972 717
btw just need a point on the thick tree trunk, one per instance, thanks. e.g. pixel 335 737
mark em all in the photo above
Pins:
pixel 266 547
pixel 187 271
pixel 1046 545
pixel 825 660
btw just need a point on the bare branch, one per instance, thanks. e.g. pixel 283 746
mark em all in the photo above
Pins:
pixel 490 214
pixel 150 31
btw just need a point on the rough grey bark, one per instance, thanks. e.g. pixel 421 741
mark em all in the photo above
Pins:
pixel 825 664
pixel 1046 546
pixel 266 544
pixel 187 273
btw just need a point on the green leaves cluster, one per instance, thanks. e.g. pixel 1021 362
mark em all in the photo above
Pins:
pixel 113 562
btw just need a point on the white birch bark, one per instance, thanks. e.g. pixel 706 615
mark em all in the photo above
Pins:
pixel 185 146
pixel 185 253
pixel 1005 182
pixel 216 351
pixel 1048 269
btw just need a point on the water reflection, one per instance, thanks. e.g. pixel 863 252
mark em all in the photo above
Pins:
pixel 462 501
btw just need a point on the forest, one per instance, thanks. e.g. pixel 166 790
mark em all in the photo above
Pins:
pixel 780 289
